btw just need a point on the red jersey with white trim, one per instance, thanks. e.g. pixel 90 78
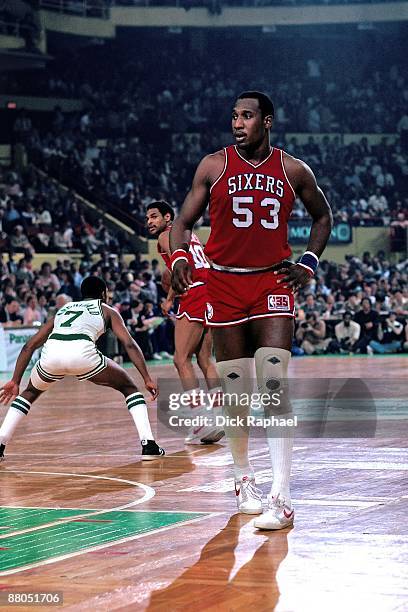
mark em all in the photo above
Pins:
pixel 250 206
pixel 196 258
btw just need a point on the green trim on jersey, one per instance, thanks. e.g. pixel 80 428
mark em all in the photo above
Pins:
pixel 69 337
pixel 105 327
pixel 101 366
pixel 44 374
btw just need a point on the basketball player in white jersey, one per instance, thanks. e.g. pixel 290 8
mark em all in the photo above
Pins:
pixel 69 350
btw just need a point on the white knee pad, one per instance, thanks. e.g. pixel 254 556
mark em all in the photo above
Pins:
pixel 237 378
pixel 38 382
pixel 272 372
pixel 237 375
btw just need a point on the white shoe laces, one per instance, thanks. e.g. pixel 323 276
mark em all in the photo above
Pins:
pixel 250 489
pixel 277 503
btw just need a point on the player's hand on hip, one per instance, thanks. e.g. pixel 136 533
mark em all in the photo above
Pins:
pixel 9 392
pixel 166 306
pixel 293 276
pixel 152 388
pixel 181 277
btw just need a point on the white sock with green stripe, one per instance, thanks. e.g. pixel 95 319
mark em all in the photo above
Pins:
pixel 19 408
pixel 137 407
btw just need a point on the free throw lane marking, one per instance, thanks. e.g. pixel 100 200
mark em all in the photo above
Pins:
pixel 149 492
pixel 69 540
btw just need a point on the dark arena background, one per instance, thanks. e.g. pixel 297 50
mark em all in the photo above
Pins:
pixel 106 106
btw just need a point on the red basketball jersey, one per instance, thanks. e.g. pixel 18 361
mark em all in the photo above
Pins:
pixel 250 206
pixel 196 259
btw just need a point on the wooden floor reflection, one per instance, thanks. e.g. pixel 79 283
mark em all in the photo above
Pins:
pixel 346 551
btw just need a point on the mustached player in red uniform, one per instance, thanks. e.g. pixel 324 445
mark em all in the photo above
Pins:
pixel 251 188
pixel 192 336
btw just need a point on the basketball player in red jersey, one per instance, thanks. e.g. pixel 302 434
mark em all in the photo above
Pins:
pixel 192 336
pixel 251 188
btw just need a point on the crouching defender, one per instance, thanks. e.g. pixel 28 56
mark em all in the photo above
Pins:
pixel 69 350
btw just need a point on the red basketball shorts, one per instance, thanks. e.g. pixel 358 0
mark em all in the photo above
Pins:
pixel 236 298
pixel 193 304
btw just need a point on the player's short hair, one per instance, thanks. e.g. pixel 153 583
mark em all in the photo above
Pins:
pixel 163 207
pixel 93 287
pixel 264 101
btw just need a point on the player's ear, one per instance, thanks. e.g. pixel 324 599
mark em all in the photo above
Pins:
pixel 268 120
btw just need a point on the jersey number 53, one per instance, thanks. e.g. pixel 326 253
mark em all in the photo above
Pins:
pixel 245 216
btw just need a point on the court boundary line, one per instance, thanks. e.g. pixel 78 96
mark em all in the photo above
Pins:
pixel 149 493
pixel 105 510
pixel 106 545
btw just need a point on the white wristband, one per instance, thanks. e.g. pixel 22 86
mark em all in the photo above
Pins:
pixel 181 258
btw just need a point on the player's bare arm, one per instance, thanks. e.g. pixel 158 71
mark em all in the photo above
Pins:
pixel 12 388
pixel 132 348
pixel 306 188
pixel 164 244
pixel 208 170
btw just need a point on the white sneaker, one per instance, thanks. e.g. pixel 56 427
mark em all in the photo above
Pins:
pixel 157 357
pixel 206 431
pixel 370 351
pixel 249 497
pixel 203 433
pixel 278 516
pixel 214 436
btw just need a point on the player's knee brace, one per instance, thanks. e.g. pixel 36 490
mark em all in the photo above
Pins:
pixel 271 374
pixel 237 380
pixel 38 382
pixel 236 375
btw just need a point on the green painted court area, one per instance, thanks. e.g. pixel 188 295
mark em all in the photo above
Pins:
pixel 65 538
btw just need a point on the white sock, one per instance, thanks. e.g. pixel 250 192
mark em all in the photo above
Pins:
pixel 216 399
pixel 238 438
pixel 237 377
pixel 19 408
pixel 138 410
pixel 280 450
pixel 272 367
pixel 195 401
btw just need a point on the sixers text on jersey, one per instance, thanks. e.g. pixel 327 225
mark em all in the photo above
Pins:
pixel 260 199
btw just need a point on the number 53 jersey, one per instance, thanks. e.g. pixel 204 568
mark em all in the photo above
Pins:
pixel 250 206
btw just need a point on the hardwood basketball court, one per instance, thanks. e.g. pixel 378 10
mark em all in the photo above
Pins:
pixel 81 515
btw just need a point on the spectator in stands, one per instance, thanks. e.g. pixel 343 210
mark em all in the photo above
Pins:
pixel 19 241
pixel 43 216
pixel 48 281
pixel 42 240
pixel 12 216
pixel 154 322
pixel 390 334
pixel 353 303
pixel 10 313
pixel 399 303
pixel 347 333
pixel 24 272
pixel 405 344
pixel 136 324
pixel 311 305
pixel 311 335
pixel 368 319
pixel 32 313
pixel 43 307
pixel 68 286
